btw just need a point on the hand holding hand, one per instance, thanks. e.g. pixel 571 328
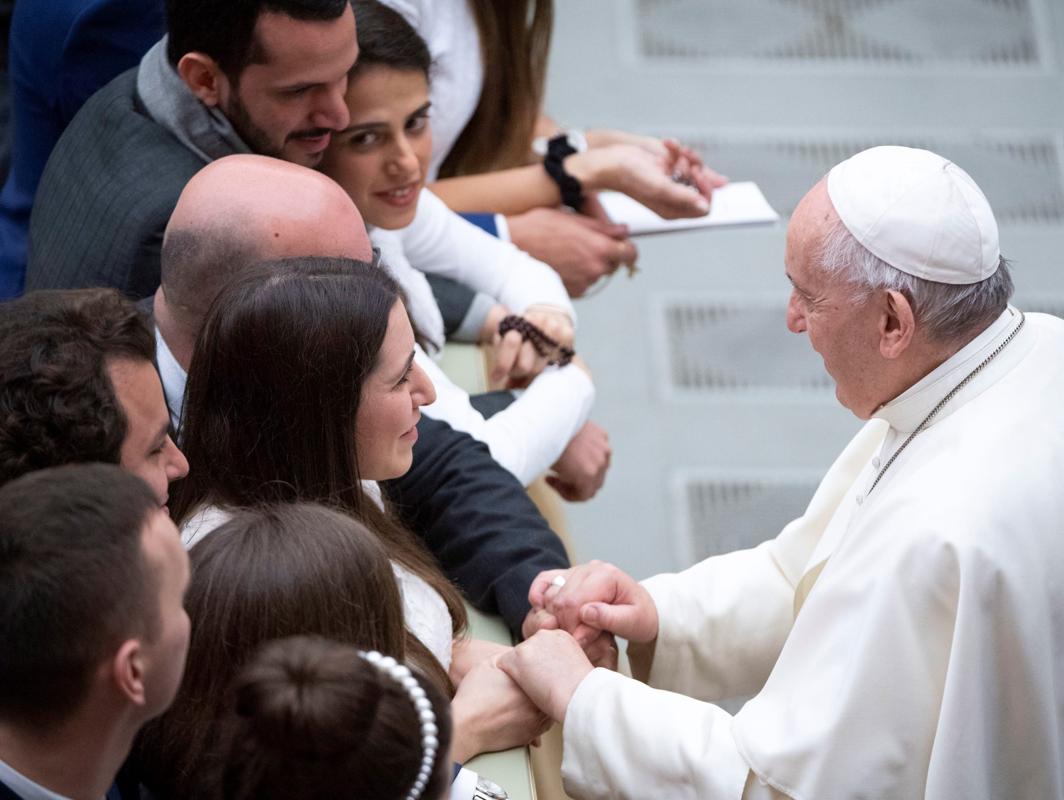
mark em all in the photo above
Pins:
pixel 490 712
pixel 595 597
pixel 579 248
pixel 548 667
pixel 581 470
pixel 467 653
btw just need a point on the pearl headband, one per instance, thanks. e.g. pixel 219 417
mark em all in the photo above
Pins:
pixel 402 675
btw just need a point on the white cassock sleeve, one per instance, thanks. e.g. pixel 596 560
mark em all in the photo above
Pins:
pixel 723 624
pixel 442 242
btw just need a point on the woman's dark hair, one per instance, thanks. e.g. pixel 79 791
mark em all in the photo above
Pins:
pixel 267 573
pixel 57 402
pixel 314 719
pixel 273 393
pixel 226 31
pixel 514 43
pixel 386 39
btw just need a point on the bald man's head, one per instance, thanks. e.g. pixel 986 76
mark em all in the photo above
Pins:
pixel 244 209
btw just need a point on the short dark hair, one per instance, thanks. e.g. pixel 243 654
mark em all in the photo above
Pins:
pixel 225 30
pixel 386 39
pixel 57 402
pixel 313 718
pixel 74 584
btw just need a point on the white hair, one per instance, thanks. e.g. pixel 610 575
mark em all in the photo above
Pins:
pixel 947 311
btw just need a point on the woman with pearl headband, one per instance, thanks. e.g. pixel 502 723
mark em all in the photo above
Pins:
pixel 314 718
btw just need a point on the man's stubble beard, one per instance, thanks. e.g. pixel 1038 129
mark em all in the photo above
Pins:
pixel 257 140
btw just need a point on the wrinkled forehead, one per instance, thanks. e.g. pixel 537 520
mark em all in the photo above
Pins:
pixel 813 218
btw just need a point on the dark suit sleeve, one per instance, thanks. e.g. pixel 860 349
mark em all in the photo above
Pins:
pixel 476 519
pixel 453 298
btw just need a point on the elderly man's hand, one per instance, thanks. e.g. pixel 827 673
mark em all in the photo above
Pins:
pixel 548 668
pixel 596 597
pixel 580 471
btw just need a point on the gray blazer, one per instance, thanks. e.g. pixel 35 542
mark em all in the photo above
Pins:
pixel 106 195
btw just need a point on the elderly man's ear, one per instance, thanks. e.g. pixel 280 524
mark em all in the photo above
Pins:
pixel 897 325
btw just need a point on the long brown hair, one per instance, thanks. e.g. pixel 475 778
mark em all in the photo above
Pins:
pixel 314 719
pixel 514 43
pixel 267 573
pixel 273 392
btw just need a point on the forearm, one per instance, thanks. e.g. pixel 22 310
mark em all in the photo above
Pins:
pixel 508 191
pixel 722 625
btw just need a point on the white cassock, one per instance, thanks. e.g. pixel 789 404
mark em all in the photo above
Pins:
pixel 901 644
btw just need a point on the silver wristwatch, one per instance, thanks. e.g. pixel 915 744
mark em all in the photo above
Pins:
pixel 489 790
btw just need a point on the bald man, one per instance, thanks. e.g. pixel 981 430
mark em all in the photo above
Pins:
pixel 232 214
pixel 241 210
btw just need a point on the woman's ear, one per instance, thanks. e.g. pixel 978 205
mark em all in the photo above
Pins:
pixel 203 77
pixel 897 325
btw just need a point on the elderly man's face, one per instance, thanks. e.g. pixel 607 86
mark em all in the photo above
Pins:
pixel 843 332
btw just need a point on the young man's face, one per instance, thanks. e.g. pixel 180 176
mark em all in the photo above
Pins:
pixel 147 451
pixel 289 105
pixel 166 649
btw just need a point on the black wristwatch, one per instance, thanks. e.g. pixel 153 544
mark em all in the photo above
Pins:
pixel 558 149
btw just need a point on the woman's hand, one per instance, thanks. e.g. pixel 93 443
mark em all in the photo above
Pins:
pixel 516 361
pixel 467 653
pixel 490 713
pixel 604 137
pixel 676 184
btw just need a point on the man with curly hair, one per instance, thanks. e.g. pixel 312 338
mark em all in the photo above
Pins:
pixel 78 384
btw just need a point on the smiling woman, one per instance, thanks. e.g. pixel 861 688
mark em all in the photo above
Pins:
pixel 381 159
pixel 302 389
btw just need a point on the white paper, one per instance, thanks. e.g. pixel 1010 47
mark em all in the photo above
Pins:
pixel 733 204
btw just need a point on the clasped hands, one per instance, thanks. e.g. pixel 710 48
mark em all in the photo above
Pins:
pixel 571 628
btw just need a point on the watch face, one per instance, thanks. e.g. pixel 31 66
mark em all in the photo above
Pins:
pixel 489 790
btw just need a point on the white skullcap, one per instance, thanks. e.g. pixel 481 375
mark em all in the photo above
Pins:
pixel 918 212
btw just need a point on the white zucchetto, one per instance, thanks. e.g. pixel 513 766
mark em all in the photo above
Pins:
pixel 918 212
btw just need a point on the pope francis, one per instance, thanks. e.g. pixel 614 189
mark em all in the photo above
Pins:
pixel 904 638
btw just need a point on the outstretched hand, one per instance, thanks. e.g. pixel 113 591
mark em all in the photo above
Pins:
pixel 674 185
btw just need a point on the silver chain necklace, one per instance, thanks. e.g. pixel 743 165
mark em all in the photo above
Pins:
pixel 946 399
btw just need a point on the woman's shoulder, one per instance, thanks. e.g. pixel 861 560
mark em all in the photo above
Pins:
pixel 203 520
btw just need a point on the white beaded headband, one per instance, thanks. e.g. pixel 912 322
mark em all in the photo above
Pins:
pixel 402 675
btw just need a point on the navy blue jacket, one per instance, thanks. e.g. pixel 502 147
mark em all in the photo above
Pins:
pixel 61 52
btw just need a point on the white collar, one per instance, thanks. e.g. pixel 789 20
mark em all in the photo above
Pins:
pixel 23 786
pixel 174 378
pixel 906 411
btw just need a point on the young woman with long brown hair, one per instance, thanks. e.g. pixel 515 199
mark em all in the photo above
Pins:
pixel 490 67
pixel 303 388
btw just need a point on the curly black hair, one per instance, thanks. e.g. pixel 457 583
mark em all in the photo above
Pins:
pixel 57 403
